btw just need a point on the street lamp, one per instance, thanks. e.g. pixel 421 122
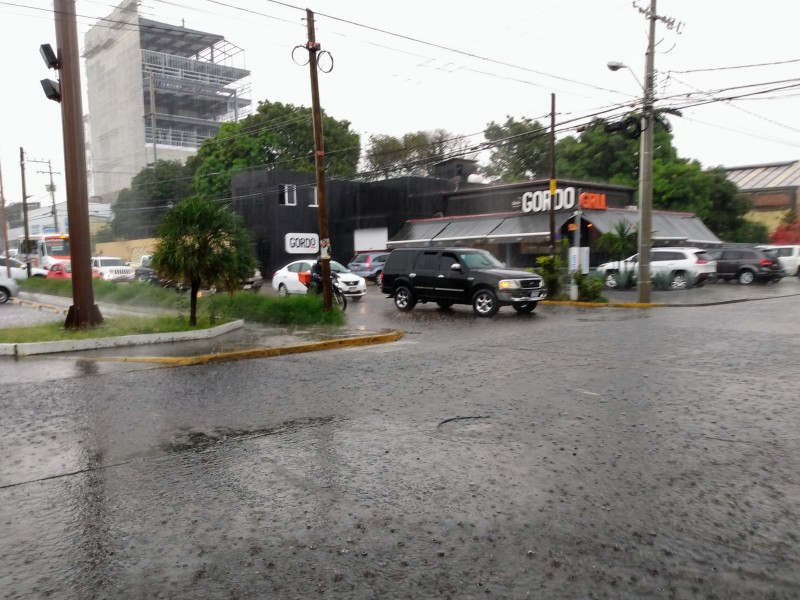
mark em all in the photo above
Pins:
pixel 645 172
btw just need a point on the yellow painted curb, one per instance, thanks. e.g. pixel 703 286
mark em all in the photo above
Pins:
pixel 604 304
pixel 39 306
pixel 202 359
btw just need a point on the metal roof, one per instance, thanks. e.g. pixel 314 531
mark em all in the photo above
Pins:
pixel 763 177
pixel 170 39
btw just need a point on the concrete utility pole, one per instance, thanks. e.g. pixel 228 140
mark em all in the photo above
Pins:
pixel 50 188
pixel 646 166
pixel 319 155
pixel 25 212
pixel 83 312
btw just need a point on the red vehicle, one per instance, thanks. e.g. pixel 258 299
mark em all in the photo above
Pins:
pixel 63 270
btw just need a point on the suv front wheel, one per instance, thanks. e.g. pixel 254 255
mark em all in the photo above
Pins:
pixel 404 298
pixel 485 303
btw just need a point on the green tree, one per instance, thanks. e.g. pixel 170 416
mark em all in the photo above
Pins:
pixel 276 134
pixel 140 207
pixel 609 157
pixel 388 156
pixel 522 150
pixel 620 242
pixel 204 243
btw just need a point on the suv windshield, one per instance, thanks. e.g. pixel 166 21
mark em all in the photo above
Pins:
pixel 480 260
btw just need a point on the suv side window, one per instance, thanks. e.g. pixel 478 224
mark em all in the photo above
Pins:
pixel 427 261
pixel 730 255
pixel 446 261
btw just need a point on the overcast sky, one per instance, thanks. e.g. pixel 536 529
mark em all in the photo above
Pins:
pixel 732 68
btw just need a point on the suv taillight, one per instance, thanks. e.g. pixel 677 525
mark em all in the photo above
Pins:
pixel 369 260
pixel 700 261
pixel 765 262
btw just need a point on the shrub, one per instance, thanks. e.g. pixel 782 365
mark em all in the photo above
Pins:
pixel 550 268
pixel 590 287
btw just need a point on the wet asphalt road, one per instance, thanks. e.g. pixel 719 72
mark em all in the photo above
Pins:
pixel 572 453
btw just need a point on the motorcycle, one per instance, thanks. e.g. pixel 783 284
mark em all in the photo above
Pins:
pixel 338 298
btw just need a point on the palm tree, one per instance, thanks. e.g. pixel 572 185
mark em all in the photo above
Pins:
pixel 203 243
pixel 619 242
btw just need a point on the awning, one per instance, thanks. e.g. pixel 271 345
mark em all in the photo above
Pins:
pixel 526 227
pixel 667 227
pixel 502 228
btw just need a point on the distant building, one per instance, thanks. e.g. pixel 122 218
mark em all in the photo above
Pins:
pixel 142 73
pixel 774 190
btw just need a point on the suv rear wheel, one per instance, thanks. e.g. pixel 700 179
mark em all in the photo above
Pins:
pixel 679 281
pixel 485 303
pixel 404 298
pixel 747 277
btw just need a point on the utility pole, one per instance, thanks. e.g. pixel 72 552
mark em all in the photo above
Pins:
pixel 319 155
pixel 553 177
pixel 50 188
pixel 25 212
pixel 4 217
pixel 646 166
pixel 83 312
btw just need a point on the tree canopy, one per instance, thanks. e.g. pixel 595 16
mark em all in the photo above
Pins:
pixel 276 134
pixel 522 150
pixel 603 154
pixel 140 207
pixel 203 243
pixel 389 156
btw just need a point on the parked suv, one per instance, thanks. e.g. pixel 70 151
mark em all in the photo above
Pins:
pixel 788 256
pixel 450 276
pixel 113 268
pixel 683 267
pixel 369 265
pixel 748 265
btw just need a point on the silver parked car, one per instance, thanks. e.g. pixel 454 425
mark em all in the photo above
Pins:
pixel 8 289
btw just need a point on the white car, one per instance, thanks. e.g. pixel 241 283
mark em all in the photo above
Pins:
pixel 287 280
pixel 19 270
pixel 683 266
pixel 8 288
pixel 788 256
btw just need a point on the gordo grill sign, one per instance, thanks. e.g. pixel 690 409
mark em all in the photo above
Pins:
pixel 301 243
pixel 539 201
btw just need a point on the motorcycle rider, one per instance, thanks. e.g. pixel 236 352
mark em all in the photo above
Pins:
pixel 316 276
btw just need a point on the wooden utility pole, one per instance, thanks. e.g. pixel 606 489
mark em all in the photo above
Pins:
pixel 83 312
pixel 25 212
pixel 50 188
pixel 319 158
pixel 553 176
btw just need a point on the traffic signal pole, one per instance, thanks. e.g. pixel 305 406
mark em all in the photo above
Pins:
pixel 83 312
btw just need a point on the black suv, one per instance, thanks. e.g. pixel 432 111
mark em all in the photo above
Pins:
pixel 450 276
pixel 747 265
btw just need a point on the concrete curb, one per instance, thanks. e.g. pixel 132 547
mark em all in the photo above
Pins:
pixel 202 359
pixel 34 348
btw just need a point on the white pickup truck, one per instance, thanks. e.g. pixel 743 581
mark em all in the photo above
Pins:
pixel 788 256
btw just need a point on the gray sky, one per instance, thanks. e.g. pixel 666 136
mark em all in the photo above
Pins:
pixel 460 65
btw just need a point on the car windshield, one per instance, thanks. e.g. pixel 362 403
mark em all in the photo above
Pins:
pixel 339 267
pixel 112 262
pixel 480 260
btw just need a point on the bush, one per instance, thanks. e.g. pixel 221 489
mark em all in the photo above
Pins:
pixel 590 287
pixel 550 268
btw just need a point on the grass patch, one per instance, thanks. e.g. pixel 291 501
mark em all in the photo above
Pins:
pixel 212 309
pixel 112 327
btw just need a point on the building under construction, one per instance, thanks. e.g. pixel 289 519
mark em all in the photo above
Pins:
pixel 155 92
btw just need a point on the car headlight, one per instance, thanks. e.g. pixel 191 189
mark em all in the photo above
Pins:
pixel 508 284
